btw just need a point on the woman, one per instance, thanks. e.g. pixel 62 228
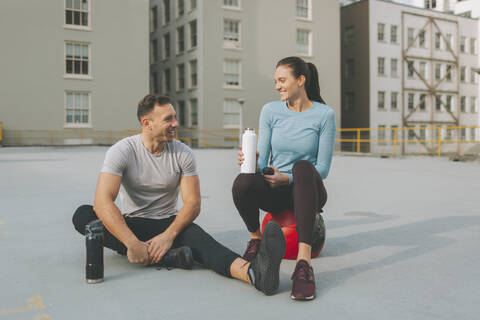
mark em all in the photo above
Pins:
pixel 297 136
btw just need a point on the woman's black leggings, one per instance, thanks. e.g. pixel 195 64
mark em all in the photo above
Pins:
pixel 306 196
pixel 205 249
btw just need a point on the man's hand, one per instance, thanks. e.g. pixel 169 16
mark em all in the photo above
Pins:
pixel 137 252
pixel 277 178
pixel 158 246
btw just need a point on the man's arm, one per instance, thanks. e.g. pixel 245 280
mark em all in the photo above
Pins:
pixel 190 191
pixel 106 210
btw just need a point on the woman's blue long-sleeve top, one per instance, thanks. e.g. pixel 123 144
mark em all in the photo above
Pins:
pixel 286 136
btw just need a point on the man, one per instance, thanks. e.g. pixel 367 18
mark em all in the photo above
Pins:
pixel 152 168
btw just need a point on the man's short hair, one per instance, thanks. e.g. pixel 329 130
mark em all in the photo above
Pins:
pixel 146 105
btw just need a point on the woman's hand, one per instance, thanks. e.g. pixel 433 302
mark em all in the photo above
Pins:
pixel 277 179
pixel 240 157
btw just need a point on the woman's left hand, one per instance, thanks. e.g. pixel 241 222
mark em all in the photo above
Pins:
pixel 277 179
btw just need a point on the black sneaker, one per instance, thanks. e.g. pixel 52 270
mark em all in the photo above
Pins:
pixel 265 267
pixel 177 258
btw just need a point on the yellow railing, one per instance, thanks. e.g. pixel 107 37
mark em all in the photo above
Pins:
pixel 1 133
pixel 407 140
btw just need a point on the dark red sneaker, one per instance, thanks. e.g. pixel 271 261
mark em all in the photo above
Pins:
pixel 303 287
pixel 252 249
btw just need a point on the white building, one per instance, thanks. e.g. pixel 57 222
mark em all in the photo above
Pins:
pixel 418 70
pixel 212 56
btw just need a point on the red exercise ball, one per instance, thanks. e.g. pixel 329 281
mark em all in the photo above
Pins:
pixel 286 220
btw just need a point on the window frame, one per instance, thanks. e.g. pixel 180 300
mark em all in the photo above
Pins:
pixel 74 26
pixel 309 11
pixel 73 124
pixel 310 45
pixel 228 86
pixel 229 7
pixel 236 125
pixel 232 44
pixel 89 75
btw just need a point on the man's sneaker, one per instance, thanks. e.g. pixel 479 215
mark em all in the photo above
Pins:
pixel 303 287
pixel 177 258
pixel 252 249
pixel 265 267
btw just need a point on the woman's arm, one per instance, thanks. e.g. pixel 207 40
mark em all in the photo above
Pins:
pixel 326 144
pixel 264 138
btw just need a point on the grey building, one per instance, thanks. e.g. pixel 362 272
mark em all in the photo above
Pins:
pixel 409 67
pixel 71 66
pixel 213 56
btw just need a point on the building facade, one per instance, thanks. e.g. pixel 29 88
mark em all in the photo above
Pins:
pixel 69 65
pixel 216 58
pixel 409 67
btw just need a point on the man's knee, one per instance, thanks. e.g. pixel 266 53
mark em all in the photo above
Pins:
pixel 82 216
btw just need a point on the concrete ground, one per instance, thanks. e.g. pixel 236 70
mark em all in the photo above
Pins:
pixel 403 241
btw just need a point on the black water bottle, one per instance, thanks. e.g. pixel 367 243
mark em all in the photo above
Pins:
pixel 94 244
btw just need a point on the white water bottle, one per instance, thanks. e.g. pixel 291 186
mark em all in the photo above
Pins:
pixel 249 149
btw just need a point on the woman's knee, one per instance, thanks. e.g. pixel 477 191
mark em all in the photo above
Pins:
pixel 82 216
pixel 242 183
pixel 303 169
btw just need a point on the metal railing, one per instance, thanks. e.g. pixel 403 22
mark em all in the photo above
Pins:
pixel 431 140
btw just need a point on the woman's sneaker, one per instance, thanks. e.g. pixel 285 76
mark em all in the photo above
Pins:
pixel 303 287
pixel 265 267
pixel 177 258
pixel 252 249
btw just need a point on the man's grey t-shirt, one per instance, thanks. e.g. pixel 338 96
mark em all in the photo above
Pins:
pixel 150 183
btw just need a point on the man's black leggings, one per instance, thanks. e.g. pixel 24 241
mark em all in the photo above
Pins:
pixel 206 250
pixel 306 196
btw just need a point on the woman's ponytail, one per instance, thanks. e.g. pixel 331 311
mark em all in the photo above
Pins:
pixel 312 86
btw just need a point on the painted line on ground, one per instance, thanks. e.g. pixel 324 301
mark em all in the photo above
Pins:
pixel 33 303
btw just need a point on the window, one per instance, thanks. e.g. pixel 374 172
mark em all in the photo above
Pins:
pixel 349 36
pixel 193 112
pixel 449 134
pixel 438 103
pixel 421 38
pixel 393 68
pixel 381 133
pixel 303 42
pixel 423 69
pixel 410 33
pixel 77 59
pixel 437 40
pixel 381 32
pixel 153 18
pixel 181 113
pixel 166 11
pixel 166 81
pixel 180 39
pixel 166 45
pixel 473 105
pixel 411 99
pixel 349 103
pixel 180 7
pixel 350 69
pixel 473 78
pixel 193 33
pixel 393 100
pixel 448 41
pixel 462 44
pixel 193 4
pixel 411 135
pixel 231 33
pixel 472 134
pixel 448 73
pixel 463 71
pixel 231 72
pixel 381 66
pixel 473 46
pixel 231 113
pixel 153 51
pixel 422 133
pixel 381 100
pixel 394 133
pixel 423 98
pixel 193 73
pixel 463 102
pixel 438 71
pixel 154 83
pixel 411 67
pixel 393 34
pixel 181 76
pixel 77 108
pixel 302 9
pixel 427 4
pixel 448 105
pixel 231 3
pixel 463 134
pixel 76 13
